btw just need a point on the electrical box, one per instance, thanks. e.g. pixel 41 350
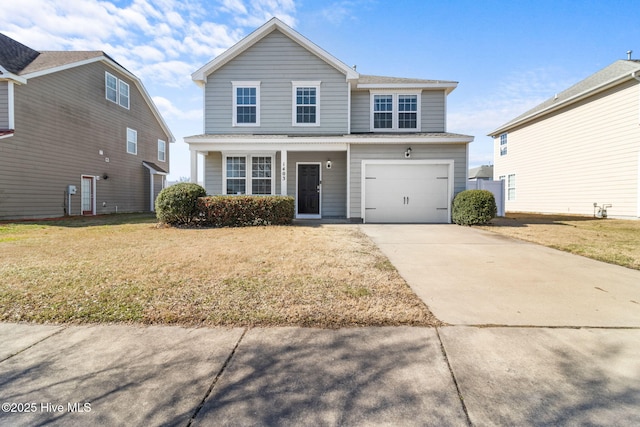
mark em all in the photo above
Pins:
pixel 71 189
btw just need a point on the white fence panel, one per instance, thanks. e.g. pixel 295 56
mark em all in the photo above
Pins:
pixel 496 187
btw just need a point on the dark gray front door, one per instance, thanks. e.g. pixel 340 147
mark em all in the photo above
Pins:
pixel 308 189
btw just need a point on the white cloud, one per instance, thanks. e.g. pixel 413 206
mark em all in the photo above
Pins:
pixel 171 111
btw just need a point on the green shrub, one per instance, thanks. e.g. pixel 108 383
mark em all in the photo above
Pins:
pixel 178 204
pixel 472 207
pixel 242 211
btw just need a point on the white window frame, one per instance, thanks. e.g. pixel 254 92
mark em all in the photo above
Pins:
pixel 248 187
pixel 511 187
pixel 295 85
pixel 503 144
pixel 395 113
pixel 121 92
pixel 110 90
pixel 123 99
pixel 132 133
pixel 245 84
pixel 162 150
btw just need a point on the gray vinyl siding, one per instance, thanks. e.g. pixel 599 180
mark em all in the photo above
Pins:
pixel 334 180
pixel 213 173
pixel 433 111
pixel 4 105
pixel 455 152
pixel 62 121
pixel 432 114
pixel 276 61
pixel 360 111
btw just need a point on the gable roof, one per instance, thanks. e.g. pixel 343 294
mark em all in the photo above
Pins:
pixel 200 76
pixel 614 74
pixel 25 63
pixel 14 56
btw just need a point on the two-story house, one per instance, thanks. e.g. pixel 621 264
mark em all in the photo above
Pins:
pixel 283 116
pixel 79 135
pixel 578 152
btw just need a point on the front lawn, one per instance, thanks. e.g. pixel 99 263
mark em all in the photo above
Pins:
pixel 125 268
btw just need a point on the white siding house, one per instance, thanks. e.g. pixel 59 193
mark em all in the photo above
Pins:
pixel 283 116
pixel 578 151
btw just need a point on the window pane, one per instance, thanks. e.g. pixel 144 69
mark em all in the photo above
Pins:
pixel 236 186
pixel 407 103
pixel 132 141
pixel 162 153
pixel 261 167
pixel 261 186
pixel 383 120
pixel 236 167
pixel 111 88
pixel 383 103
pixel 306 115
pixel 246 96
pixel 407 120
pixel 246 115
pixel 124 94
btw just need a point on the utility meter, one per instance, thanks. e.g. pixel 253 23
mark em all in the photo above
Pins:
pixel 71 189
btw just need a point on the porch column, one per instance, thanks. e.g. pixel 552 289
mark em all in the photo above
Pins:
pixel 194 167
pixel 283 173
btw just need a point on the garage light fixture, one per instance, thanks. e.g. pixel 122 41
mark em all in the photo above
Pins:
pixel 328 164
pixel 407 153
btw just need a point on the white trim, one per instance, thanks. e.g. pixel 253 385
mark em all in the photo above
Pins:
pixel 392 86
pixel 164 151
pixel 395 113
pixel 294 102
pixel 136 141
pixel 450 172
pixel 11 105
pixel 6 75
pixel 234 99
pixel 321 143
pixel 310 216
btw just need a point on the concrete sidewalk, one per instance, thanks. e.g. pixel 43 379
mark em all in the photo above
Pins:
pixel 458 375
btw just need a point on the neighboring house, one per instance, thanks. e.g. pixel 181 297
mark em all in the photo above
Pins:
pixel 79 134
pixel 283 116
pixel 578 151
pixel 481 172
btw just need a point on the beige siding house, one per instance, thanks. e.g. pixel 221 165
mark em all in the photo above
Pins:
pixel 283 116
pixel 79 135
pixel 577 152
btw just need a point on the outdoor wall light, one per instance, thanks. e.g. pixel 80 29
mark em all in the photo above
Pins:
pixel 407 153
pixel 328 164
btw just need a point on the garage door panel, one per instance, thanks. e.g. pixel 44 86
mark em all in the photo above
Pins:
pixel 406 193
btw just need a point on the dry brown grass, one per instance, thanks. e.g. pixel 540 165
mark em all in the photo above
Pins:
pixel 127 269
pixel 615 241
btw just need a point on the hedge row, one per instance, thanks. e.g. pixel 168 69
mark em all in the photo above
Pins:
pixel 188 204
pixel 243 211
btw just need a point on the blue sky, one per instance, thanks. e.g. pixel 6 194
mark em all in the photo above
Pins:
pixel 507 56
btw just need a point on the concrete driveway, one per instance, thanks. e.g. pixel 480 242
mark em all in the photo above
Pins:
pixel 474 277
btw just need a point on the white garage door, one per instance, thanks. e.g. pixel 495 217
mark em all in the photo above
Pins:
pixel 406 193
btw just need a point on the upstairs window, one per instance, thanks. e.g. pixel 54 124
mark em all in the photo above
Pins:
pixel 116 90
pixel 162 150
pixel 503 144
pixel 306 103
pixel 395 112
pixel 246 103
pixel 132 141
